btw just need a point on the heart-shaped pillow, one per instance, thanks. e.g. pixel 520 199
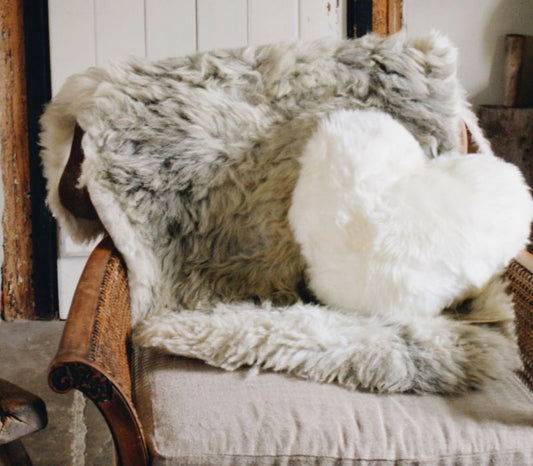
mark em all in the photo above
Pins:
pixel 387 231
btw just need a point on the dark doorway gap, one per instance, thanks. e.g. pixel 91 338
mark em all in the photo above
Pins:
pixel 38 83
pixel 359 18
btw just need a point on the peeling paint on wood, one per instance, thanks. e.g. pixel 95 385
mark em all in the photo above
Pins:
pixel 17 289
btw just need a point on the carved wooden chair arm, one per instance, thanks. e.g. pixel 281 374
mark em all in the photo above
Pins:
pixel 94 352
pixel 520 273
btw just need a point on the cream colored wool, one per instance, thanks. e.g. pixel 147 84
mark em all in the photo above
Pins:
pixel 191 164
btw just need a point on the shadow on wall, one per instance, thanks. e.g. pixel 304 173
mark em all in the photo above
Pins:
pixel 508 17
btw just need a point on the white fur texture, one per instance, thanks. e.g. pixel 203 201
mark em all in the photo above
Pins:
pixel 386 231
pixel 418 355
pixel 191 163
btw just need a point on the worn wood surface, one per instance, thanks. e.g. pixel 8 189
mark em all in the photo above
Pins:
pixel 510 132
pixel 93 356
pixel 14 454
pixel 21 412
pixel 524 96
pixel 386 16
pixel 512 64
pixel 17 290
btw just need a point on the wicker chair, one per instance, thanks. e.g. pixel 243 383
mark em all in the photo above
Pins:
pixel 95 354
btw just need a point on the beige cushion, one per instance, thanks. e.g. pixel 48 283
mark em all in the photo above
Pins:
pixel 198 415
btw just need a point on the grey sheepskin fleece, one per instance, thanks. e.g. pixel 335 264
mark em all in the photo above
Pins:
pixel 191 163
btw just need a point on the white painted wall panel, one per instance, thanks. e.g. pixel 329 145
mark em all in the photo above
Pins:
pixel 69 248
pixel 272 21
pixel 222 24
pixel 69 271
pixel 72 38
pixel 119 29
pixel 170 28
pixel 319 18
pixel 72 50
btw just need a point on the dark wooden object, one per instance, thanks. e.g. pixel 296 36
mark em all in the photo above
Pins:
pixel 14 454
pixel 525 85
pixel 510 132
pixel 21 413
pixel 17 288
pixel 518 71
pixel 512 65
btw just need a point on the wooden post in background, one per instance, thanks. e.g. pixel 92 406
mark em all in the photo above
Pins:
pixel 386 16
pixel 17 289
pixel 513 58
pixel 382 17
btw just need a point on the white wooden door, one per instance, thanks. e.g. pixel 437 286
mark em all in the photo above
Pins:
pixel 84 33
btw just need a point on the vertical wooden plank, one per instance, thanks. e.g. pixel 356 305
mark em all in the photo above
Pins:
pixel 170 28
pixel 222 24
pixel 386 16
pixel 17 287
pixel 319 18
pixel 512 66
pixel 380 17
pixel 72 39
pixel 395 16
pixel 119 29
pixel 272 21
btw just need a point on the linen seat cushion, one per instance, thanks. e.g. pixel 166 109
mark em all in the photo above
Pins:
pixel 195 414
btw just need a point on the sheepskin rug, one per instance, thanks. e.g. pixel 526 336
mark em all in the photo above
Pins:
pixel 198 169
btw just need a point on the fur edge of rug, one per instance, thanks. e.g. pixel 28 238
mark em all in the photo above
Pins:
pixel 427 355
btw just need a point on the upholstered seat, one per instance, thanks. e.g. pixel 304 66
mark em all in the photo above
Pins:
pixel 197 414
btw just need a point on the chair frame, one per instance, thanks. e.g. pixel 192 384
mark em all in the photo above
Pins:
pixel 94 353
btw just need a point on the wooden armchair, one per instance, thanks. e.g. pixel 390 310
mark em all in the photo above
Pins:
pixel 95 354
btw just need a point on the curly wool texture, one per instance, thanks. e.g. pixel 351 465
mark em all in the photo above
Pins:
pixel 416 355
pixel 191 163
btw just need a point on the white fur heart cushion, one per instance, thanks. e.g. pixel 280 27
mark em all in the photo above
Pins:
pixel 386 231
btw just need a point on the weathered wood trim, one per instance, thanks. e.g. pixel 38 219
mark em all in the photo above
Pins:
pixel 21 412
pixel 386 16
pixel 383 17
pixel 512 65
pixel 17 287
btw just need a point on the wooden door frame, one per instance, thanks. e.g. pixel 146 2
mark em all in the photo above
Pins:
pixel 382 17
pixel 29 276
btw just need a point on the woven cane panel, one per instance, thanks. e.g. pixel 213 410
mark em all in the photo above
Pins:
pixel 522 289
pixel 110 335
